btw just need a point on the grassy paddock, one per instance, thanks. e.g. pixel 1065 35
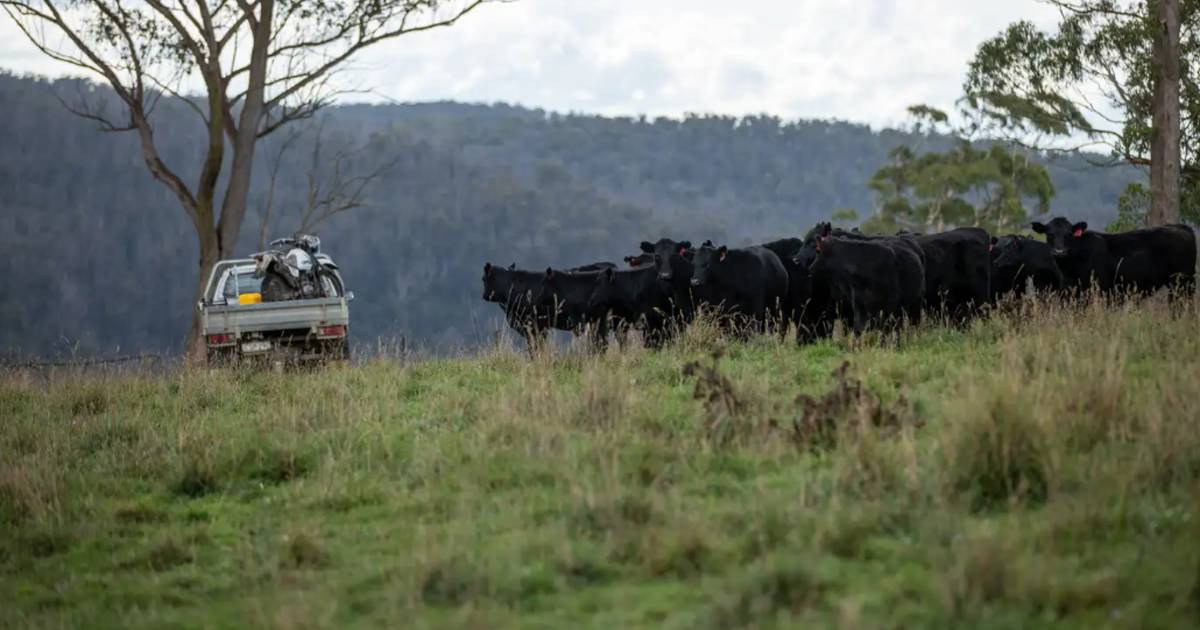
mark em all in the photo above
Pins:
pixel 1040 468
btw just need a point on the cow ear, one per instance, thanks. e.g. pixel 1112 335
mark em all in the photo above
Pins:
pixel 549 272
pixel 609 274
pixel 708 243
pixel 826 229
pixel 1079 229
pixel 647 247
pixel 722 253
pixel 995 240
pixel 1040 228
pixel 684 245
pixel 487 269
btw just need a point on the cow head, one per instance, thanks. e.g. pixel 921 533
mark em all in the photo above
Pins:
pixel 492 291
pixel 1061 235
pixel 663 252
pixel 707 260
pixel 813 243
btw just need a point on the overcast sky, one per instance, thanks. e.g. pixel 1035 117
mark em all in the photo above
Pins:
pixel 858 60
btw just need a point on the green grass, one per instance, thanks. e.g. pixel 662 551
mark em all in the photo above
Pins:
pixel 1040 469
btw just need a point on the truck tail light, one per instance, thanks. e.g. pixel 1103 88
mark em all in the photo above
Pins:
pixel 220 340
pixel 338 330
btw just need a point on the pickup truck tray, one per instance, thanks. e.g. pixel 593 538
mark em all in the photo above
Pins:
pixel 290 314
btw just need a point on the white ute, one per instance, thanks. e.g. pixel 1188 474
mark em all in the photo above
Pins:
pixel 238 326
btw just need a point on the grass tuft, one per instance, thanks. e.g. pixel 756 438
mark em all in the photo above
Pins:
pixel 771 590
pixel 997 453
pixel 195 479
pixel 302 550
pixel 163 556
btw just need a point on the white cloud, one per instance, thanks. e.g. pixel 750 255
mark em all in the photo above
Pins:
pixel 862 60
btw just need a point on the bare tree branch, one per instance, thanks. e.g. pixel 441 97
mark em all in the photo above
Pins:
pixel 366 41
pixel 264 214
pixel 84 110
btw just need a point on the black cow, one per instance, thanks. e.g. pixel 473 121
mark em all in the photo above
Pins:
pixel 864 286
pixel 910 282
pixel 1141 260
pixel 673 262
pixel 750 282
pixel 957 271
pixel 513 289
pixel 562 299
pixel 635 298
pixel 1018 261
pixel 869 285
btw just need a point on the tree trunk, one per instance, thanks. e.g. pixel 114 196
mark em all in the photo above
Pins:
pixel 210 253
pixel 1164 147
pixel 233 209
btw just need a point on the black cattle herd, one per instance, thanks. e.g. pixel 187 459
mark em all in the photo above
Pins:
pixel 833 275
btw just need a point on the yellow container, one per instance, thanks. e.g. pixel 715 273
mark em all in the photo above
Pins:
pixel 250 298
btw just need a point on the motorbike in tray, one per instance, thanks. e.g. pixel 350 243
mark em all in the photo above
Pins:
pixel 293 270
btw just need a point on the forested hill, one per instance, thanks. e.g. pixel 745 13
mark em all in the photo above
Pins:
pixel 98 258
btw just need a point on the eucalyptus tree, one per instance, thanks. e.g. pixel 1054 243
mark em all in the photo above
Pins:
pixel 1115 74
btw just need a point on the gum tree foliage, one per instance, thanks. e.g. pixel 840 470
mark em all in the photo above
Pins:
pixel 1090 82
pixel 260 65
pixel 970 184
